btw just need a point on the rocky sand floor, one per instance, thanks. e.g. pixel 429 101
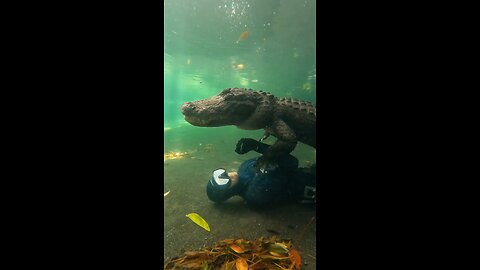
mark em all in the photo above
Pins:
pixel 186 179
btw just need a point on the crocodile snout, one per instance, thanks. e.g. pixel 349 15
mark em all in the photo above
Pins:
pixel 187 108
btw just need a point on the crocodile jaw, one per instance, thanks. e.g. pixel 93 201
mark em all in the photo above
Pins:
pixel 215 112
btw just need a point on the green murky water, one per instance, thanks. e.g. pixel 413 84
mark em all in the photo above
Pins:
pixel 211 45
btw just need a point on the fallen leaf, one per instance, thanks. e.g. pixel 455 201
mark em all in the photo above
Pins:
pixel 236 248
pixel 277 249
pixel 198 220
pixel 295 257
pixel 241 264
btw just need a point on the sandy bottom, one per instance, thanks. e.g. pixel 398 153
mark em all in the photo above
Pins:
pixel 186 179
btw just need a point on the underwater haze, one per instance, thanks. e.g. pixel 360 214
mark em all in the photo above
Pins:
pixel 210 45
pixel 202 55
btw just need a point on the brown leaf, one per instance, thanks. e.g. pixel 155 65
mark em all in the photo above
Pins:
pixel 259 265
pixel 272 257
pixel 193 254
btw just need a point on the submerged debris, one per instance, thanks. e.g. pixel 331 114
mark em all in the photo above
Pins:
pixel 262 253
pixel 175 155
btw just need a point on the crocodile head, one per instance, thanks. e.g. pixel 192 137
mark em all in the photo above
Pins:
pixel 232 106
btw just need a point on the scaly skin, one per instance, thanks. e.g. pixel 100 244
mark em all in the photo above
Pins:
pixel 289 120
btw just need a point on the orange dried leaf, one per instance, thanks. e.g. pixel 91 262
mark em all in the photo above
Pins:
pixel 295 257
pixel 241 264
pixel 236 248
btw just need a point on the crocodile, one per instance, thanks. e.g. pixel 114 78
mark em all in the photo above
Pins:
pixel 289 120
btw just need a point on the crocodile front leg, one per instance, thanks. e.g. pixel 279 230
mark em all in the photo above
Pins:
pixel 286 139
pixel 286 142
